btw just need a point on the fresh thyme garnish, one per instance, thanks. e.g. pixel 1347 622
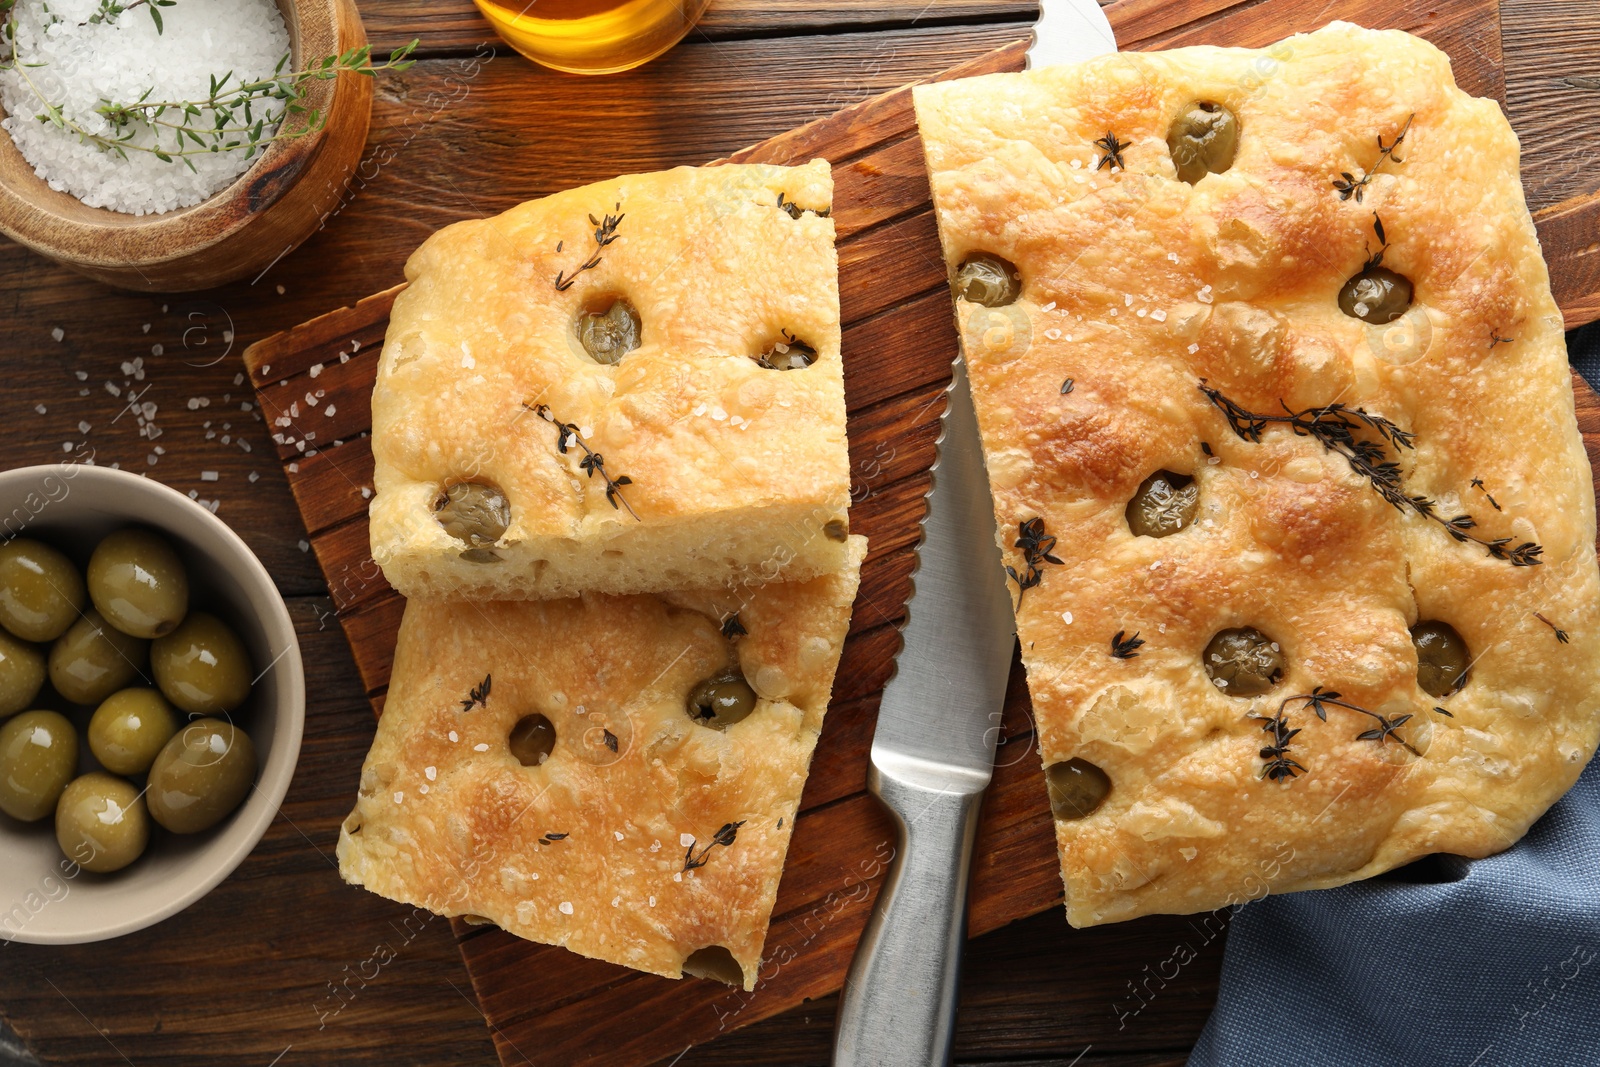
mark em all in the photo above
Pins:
pixel 1126 649
pixel 732 627
pixel 723 837
pixel 1066 386
pixel 610 739
pixel 233 114
pixel 110 9
pixel 592 462
pixel 479 695
pixel 1037 547
pixel 605 231
pixel 794 210
pixel 1349 185
pixel 1496 339
pixel 1334 427
pixel 1279 764
pixel 1477 483
pixel 1442 711
pixel 1561 635
pixel 1113 149
pixel 549 838
pixel 1205 446
pixel 1375 259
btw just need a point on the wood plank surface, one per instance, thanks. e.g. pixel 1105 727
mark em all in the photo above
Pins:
pixel 275 966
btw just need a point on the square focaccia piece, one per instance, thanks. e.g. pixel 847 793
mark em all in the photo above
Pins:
pixel 615 775
pixel 1279 426
pixel 633 386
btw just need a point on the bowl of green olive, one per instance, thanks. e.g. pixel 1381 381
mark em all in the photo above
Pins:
pixel 151 702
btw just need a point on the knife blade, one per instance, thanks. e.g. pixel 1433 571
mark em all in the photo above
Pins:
pixel 939 720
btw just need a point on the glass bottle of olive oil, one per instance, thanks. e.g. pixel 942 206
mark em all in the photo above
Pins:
pixel 592 36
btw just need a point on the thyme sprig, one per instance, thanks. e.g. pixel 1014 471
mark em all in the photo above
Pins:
pixel 1561 635
pixel 592 463
pixel 1126 647
pixel 732 627
pixel 1349 185
pixel 1496 339
pixel 1281 766
pixel 1037 548
pixel 1113 150
pixel 1335 428
pixel 605 231
pixel 1477 483
pixel 233 114
pixel 794 210
pixel 479 695
pixel 724 837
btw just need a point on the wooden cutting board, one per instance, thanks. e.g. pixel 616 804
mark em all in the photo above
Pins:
pixel 898 344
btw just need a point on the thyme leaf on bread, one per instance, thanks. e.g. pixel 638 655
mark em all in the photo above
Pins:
pixel 1126 648
pixel 1348 185
pixel 1335 428
pixel 732 627
pixel 1477 483
pixel 1279 766
pixel 1496 339
pixel 1037 549
pixel 724 837
pixel 605 231
pixel 1561 635
pixel 479 695
pixel 592 463
pixel 1113 150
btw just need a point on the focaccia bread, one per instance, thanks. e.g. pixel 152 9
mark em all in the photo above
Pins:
pixel 646 835
pixel 634 386
pixel 1168 463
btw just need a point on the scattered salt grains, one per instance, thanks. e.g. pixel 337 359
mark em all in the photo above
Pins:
pixel 1204 295
pixel 1193 349
pixel 655 846
pixel 454 736
pixel 294 468
pixel 156 350
pixel 398 797
pixel 303 545
pixel 111 387
pixel 699 409
pixel 652 901
pixel 1049 307
pixel 430 773
pixel 1066 617
pixel 1053 334
pixel 616 902
pixel 480 747
pixel 81 375
pixel 366 493
pixel 423 788
pixel 58 333
pixel 330 409
pixel 281 290
pixel 83 427
pixel 1159 316
pixel 617 834
pixel 685 840
pixel 316 369
pixel 208 476
pixel 678 877
pixel 254 477
pixel 40 408
pixel 565 908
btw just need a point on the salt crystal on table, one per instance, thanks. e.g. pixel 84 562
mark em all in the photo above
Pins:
pixel 58 333
pixel 40 408
pixel 208 476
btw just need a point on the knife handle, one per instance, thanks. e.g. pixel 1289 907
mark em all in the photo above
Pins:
pixel 898 1008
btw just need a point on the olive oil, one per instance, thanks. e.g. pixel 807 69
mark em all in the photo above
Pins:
pixel 592 36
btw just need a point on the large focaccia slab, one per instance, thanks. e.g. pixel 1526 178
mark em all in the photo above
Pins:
pixel 1136 288
pixel 644 836
pixel 734 469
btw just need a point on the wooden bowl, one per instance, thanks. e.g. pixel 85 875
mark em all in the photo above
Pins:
pixel 241 229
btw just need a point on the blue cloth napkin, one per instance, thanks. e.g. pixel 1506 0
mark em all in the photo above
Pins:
pixel 1448 962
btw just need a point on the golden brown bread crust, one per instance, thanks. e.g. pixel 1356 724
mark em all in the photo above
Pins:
pixel 1136 286
pixel 449 820
pixel 736 469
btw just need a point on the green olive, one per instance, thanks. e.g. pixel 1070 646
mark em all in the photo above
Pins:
pixel 137 582
pixel 715 963
pixel 94 659
pixel 101 822
pixel 532 738
pixel 610 334
pixel 788 354
pixel 21 674
pixel 988 280
pixel 202 666
pixel 722 700
pixel 1243 662
pixel 476 513
pixel 1442 658
pixel 201 775
pixel 1165 503
pixel 1077 787
pixel 1377 295
pixel 1203 140
pixel 836 530
pixel 38 755
pixel 41 591
pixel 129 728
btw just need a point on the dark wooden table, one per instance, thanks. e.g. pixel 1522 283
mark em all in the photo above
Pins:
pixel 247 975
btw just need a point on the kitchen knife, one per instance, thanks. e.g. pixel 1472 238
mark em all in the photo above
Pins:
pixel 939 721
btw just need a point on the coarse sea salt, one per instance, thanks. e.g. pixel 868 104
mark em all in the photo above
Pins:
pixel 119 60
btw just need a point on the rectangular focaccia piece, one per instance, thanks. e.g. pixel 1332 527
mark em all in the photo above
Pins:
pixel 513 462
pixel 1244 630
pixel 646 836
